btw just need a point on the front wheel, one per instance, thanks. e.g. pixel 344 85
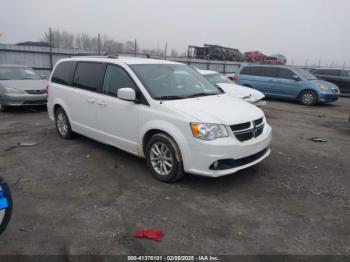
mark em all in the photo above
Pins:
pixel 164 158
pixel 308 98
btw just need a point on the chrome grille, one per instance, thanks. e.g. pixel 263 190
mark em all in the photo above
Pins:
pixel 248 130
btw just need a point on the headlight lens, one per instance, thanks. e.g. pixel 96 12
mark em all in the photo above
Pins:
pixel 13 90
pixel 325 88
pixel 208 131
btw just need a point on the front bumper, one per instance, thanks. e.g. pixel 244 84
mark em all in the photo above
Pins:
pixel 24 99
pixel 204 153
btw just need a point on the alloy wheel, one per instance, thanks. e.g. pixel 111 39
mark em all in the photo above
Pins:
pixel 62 123
pixel 161 159
pixel 308 98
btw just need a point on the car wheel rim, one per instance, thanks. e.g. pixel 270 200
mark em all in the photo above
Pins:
pixel 308 98
pixel 62 124
pixel 160 156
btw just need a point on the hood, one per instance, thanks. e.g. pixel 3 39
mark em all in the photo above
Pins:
pixel 25 84
pixel 242 92
pixel 216 109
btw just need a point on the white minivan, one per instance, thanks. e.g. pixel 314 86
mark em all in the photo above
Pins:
pixel 164 111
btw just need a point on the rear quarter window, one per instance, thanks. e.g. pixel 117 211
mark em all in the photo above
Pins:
pixel 64 73
pixel 249 70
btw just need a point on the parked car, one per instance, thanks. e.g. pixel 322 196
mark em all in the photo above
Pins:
pixel 161 110
pixel 339 77
pixel 232 89
pixel 277 59
pixel 287 82
pixel 21 86
pixel 254 56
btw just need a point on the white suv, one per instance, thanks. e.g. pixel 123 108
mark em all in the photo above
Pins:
pixel 161 110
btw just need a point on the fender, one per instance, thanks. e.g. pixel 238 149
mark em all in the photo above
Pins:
pixel 61 103
pixel 170 129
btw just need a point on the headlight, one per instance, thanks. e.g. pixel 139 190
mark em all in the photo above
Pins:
pixel 13 90
pixel 208 131
pixel 325 88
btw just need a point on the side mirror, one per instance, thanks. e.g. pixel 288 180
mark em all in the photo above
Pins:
pixel 296 78
pixel 126 93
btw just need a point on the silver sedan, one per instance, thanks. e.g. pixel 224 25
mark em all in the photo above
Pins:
pixel 21 86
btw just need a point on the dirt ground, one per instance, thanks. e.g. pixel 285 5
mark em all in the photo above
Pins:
pixel 83 197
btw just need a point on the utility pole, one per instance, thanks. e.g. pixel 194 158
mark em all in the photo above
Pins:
pixel 51 44
pixel 319 63
pixel 344 65
pixel 332 64
pixel 306 62
pixel 99 44
pixel 165 51
pixel 135 48
pixel 158 48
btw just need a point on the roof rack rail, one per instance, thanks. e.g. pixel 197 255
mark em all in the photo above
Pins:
pixel 114 56
pixel 134 55
pixel 97 56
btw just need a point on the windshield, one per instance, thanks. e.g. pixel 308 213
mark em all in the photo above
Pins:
pixel 170 81
pixel 218 79
pixel 305 74
pixel 17 73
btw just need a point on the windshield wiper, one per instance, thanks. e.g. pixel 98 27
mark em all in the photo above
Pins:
pixel 201 94
pixel 169 97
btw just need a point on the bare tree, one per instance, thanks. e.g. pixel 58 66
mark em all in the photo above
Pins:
pixel 59 39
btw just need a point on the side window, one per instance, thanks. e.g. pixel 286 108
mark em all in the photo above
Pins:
pixel 269 71
pixel 336 72
pixel 318 72
pixel 63 73
pixel 327 72
pixel 285 73
pixel 89 76
pixel 116 78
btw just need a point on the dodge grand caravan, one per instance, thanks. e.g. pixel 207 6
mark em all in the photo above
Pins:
pixel 161 110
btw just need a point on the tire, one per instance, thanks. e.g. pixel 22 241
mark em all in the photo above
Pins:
pixel 308 98
pixel 3 108
pixel 63 126
pixel 170 167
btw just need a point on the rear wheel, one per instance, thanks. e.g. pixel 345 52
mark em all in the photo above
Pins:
pixel 308 98
pixel 62 124
pixel 164 158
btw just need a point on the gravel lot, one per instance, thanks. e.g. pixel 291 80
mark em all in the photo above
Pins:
pixel 83 197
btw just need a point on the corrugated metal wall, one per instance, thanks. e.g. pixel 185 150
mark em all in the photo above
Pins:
pixel 39 58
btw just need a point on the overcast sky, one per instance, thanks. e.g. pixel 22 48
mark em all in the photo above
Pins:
pixel 300 29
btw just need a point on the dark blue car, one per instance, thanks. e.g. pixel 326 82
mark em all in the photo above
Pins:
pixel 287 82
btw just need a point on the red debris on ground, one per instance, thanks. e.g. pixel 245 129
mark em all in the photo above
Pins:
pixel 150 234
